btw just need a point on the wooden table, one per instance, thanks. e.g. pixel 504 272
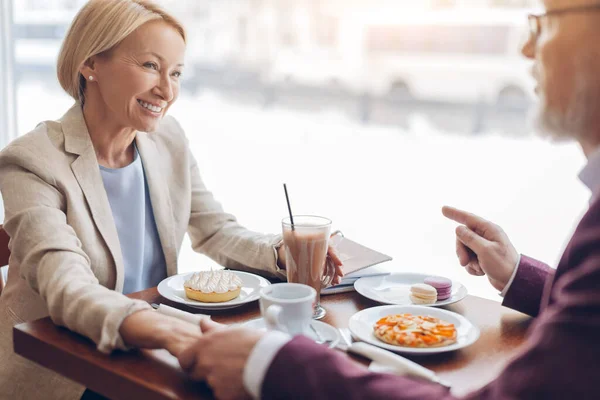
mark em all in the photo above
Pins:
pixel 154 374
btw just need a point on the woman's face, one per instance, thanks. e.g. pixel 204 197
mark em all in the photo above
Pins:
pixel 138 80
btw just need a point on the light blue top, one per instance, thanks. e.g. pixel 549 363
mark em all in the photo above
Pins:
pixel 127 191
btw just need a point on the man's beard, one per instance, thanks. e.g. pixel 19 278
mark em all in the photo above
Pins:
pixel 580 117
pixel 550 124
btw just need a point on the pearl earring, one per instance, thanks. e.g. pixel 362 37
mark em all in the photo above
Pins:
pixel 91 78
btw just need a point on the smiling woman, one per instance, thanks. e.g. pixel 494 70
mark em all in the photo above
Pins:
pixel 145 82
pixel 135 65
pixel 141 77
pixel 97 202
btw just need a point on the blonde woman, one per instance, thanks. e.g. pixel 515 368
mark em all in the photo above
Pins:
pixel 97 202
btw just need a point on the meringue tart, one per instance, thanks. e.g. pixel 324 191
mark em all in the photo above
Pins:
pixel 213 286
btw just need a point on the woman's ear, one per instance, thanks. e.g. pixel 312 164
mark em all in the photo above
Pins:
pixel 88 69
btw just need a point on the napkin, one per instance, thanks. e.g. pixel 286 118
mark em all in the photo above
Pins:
pixel 385 369
pixel 385 361
pixel 381 368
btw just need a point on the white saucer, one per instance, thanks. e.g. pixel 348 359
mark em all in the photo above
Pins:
pixel 172 288
pixel 326 331
pixel 395 289
pixel 361 326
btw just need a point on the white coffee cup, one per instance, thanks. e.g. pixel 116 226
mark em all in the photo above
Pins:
pixel 288 307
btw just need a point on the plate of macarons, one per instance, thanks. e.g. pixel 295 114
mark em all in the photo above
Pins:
pixel 411 289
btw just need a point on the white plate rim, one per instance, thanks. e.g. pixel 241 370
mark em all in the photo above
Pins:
pixel 361 283
pixel 334 343
pixel 163 290
pixel 471 337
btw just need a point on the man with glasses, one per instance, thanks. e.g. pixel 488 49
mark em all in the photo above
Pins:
pixel 561 358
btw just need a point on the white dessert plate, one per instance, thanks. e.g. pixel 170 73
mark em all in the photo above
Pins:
pixel 326 331
pixel 172 288
pixel 395 289
pixel 361 325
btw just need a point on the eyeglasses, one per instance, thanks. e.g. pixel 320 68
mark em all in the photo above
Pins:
pixel 535 23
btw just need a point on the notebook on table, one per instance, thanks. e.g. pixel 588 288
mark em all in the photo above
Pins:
pixel 358 261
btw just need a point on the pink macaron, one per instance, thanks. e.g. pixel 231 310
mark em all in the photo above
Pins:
pixel 442 285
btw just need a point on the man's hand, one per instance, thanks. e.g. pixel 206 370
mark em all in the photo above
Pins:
pixel 483 247
pixel 219 358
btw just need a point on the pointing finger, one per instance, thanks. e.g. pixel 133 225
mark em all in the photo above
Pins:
pixel 471 239
pixel 474 222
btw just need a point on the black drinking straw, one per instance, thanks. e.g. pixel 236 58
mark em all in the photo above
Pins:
pixel 287 198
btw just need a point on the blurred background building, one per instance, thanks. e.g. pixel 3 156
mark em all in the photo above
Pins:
pixel 423 50
pixel 375 113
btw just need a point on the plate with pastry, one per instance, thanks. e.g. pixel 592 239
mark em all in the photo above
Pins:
pixel 213 290
pixel 411 289
pixel 413 329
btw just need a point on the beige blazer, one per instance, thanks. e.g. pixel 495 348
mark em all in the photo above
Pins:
pixel 66 260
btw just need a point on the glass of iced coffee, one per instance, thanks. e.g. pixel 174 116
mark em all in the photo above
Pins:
pixel 306 242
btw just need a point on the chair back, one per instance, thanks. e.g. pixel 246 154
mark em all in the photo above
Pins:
pixel 4 254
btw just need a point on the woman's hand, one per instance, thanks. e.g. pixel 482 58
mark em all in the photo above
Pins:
pixel 148 329
pixel 332 257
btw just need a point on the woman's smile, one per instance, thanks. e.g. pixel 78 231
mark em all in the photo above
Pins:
pixel 150 109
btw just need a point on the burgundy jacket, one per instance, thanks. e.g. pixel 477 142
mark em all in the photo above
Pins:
pixel 559 360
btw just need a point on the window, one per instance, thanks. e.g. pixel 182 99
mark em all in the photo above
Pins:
pixel 42 31
pixel 420 116
pixel 288 29
pixel 242 32
pixel 7 87
pixel 483 40
pixel 326 30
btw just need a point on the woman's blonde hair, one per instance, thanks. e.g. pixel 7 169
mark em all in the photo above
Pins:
pixel 98 27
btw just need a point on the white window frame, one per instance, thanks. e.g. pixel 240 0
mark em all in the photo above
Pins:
pixel 8 99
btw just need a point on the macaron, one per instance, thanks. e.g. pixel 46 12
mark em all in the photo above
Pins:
pixel 442 285
pixel 421 293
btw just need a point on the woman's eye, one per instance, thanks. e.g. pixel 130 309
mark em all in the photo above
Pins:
pixel 177 74
pixel 151 65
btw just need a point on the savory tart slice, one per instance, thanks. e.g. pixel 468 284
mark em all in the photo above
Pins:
pixel 410 330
